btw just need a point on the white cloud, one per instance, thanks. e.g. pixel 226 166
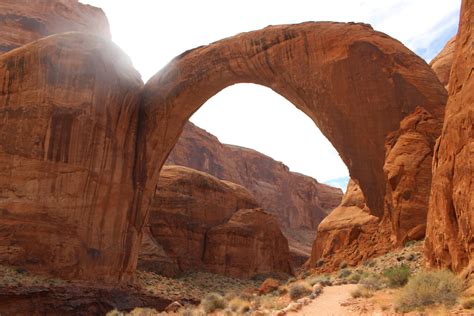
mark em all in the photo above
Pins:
pixel 153 32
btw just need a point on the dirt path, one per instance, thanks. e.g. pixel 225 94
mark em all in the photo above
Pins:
pixel 329 302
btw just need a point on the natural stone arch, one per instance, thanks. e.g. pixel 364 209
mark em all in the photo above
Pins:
pixel 356 84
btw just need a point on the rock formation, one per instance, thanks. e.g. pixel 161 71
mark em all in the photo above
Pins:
pixel 24 21
pixel 201 222
pixel 349 234
pixel 250 243
pixel 442 63
pixel 450 227
pixel 355 83
pixel 80 161
pixel 409 152
pixel 69 109
pixel 298 202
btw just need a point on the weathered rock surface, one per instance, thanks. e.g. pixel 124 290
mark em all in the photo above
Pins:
pixel 349 234
pixel 450 228
pixel 24 21
pixel 195 220
pixel 250 243
pixel 442 63
pixel 298 202
pixel 74 299
pixel 409 153
pixel 355 83
pixel 69 109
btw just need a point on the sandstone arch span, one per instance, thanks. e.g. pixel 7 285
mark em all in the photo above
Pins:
pixel 355 83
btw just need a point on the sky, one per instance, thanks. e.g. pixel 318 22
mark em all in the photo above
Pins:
pixel 153 32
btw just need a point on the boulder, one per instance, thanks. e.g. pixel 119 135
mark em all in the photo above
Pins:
pixel 190 208
pixel 249 244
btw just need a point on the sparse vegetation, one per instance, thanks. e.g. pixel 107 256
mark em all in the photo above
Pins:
pixel 239 305
pixel 213 302
pixel 429 288
pixel 397 276
pixel 361 291
pixel 344 273
pixel 343 265
pixel 373 282
pixel 324 279
pixel 299 289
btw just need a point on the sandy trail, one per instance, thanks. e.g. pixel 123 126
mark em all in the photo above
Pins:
pixel 329 302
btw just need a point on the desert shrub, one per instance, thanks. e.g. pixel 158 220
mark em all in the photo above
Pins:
pixel 324 279
pixel 355 277
pixel 299 289
pixel 344 273
pixel 397 276
pixel 213 302
pixel 361 291
pixel 343 265
pixel 468 303
pixel 239 305
pixel 271 302
pixel 410 243
pixel 372 282
pixel 429 288
pixel 369 263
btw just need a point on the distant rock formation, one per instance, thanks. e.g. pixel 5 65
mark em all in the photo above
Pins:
pixel 298 202
pixel 450 227
pixel 199 222
pixel 442 63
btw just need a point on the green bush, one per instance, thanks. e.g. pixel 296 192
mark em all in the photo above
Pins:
pixel 429 288
pixel 355 277
pixel 213 302
pixel 299 289
pixel 397 276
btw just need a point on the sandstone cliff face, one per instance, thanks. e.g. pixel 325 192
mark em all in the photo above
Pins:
pixel 442 63
pixel 24 21
pixel 298 202
pixel 409 152
pixel 195 220
pixel 349 234
pixel 450 227
pixel 68 107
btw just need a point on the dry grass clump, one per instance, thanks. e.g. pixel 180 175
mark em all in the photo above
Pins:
pixel 239 305
pixel 372 282
pixel 213 302
pixel 324 279
pixel 299 289
pixel 361 291
pixel 429 288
